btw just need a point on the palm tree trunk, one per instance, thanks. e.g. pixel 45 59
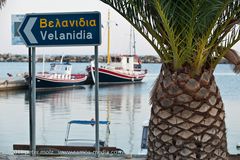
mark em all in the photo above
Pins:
pixel 187 118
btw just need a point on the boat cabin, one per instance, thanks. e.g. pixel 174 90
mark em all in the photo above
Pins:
pixel 126 62
pixel 64 68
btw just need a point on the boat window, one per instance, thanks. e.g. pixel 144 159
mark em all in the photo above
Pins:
pixel 52 67
pixel 144 144
pixel 115 59
pixel 118 59
pixel 127 60
pixel 137 66
pixel 66 68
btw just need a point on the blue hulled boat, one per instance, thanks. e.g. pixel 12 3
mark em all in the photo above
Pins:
pixel 122 69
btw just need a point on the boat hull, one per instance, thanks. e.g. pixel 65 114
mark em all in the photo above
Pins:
pixel 113 77
pixel 44 82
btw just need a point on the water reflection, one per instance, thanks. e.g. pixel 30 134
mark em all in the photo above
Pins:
pixel 125 101
pixel 57 100
pixel 10 93
pixel 123 105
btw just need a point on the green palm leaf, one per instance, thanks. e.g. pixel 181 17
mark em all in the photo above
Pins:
pixel 185 33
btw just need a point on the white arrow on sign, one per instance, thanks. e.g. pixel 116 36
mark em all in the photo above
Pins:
pixel 28 30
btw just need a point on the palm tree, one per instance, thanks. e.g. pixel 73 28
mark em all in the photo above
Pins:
pixel 191 37
pixel 2 2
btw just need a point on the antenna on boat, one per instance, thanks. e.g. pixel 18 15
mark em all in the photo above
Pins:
pixel 108 47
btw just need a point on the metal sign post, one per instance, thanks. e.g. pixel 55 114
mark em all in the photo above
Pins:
pixel 31 117
pixel 96 101
pixel 59 29
pixel 32 103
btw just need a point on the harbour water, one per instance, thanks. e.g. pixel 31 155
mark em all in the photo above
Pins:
pixel 126 106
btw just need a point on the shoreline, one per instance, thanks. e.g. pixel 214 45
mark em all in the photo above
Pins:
pixel 77 58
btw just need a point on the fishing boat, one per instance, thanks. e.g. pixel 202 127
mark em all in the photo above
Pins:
pixel 59 76
pixel 122 69
pixel 125 68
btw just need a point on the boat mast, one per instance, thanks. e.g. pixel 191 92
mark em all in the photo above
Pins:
pixel 134 43
pixel 130 42
pixel 43 64
pixel 108 47
pixel 132 39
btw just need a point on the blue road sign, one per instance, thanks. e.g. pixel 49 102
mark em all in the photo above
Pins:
pixel 61 29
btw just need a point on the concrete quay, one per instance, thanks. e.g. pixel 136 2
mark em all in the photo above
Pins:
pixel 12 84
pixel 23 157
pixel 126 157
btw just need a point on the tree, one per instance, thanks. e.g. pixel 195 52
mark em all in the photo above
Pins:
pixel 2 2
pixel 191 37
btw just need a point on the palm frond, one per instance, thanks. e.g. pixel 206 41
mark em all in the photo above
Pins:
pixel 233 57
pixel 185 33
